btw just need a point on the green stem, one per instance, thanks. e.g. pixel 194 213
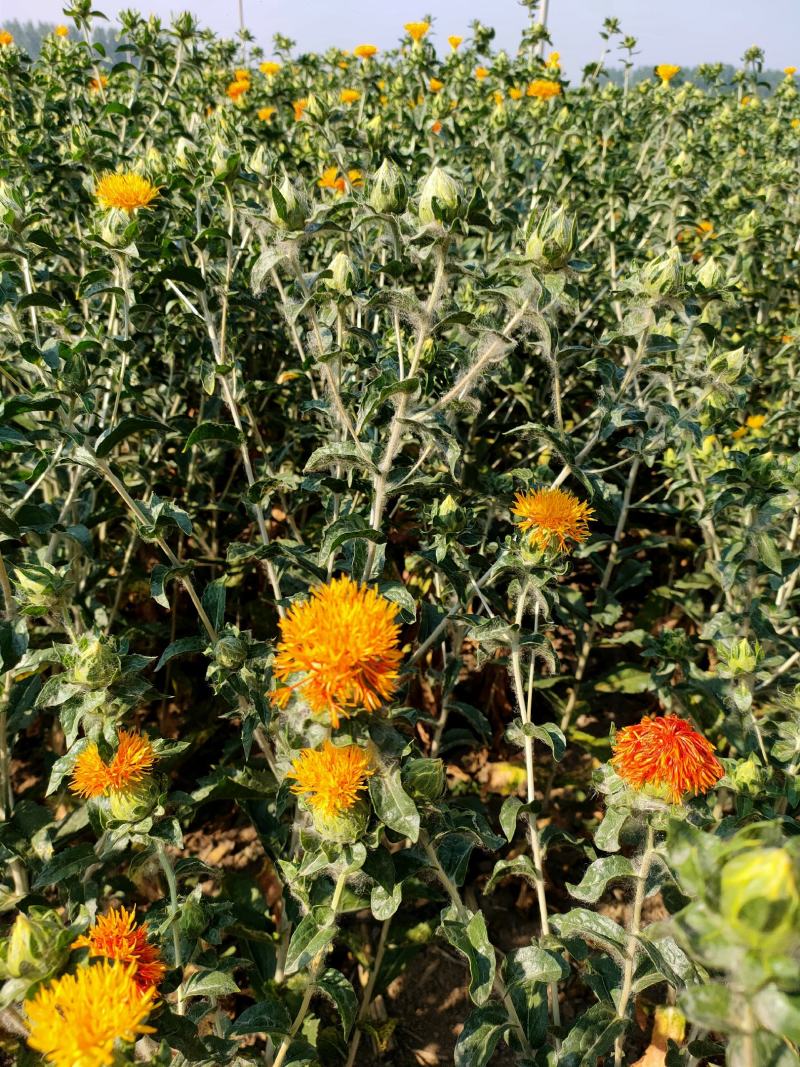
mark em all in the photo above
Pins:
pixel 632 944
pixel 172 886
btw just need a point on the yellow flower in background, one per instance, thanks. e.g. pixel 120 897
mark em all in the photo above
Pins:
pixel 299 107
pixel 96 84
pixel 330 180
pixel 266 113
pixel 342 65
pixel 455 41
pixel 417 30
pixel 554 61
pixel 705 228
pixel 755 422
pixel 356 178
pixel 666 72
pixel 552 517
pixel 515 93
pixel 6 38
pixel 241 75
pixel 331 778
pixel 498 97
pixel 435 85
pixel 543 89
pixel 365 51
pixel 737 435
pixel 344 643
pixel 61 31
pixel 127 192
pixel 481 73
pixel 76 1020
pixel 795 123
pixel 349 96
pixel 237 89
pixel 790 71
pixel 269 67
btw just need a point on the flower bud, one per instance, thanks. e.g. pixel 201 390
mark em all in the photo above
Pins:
pixel 345 828
pixel 135 803
pixel 439 194
pixel 35 947
pixel 424 779
pixel 664 276
pixel 95 663
pixel 40 588
pixel 759 896
pixel 230 652
pixel 388 193
pixel 552 239
pixel 343 274
pixel 288 207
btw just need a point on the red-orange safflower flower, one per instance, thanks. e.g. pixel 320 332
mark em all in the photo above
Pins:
pixel 117 936
pixel 668 755
pixel 92 777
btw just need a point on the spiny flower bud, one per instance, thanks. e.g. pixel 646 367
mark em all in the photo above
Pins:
pixel 288 207
pixel 439 194
pixel 35 947
pixel 95 664
pixel 664 276
pixel 230 652
pixel 424 779
pixel 345 827
pixel 136 802
pixel 551 239
pixel 40 588
pixel 759 896
pixel 388 193
pixel 343 274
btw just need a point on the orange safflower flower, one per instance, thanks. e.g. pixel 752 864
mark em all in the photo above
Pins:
pixel 365 51
pixel 299 107
pixel 331 179
pixel 705 228
pixel 666 72
pixel 127 192
pixel 417 30
pixel 266 113
pixel 481 73
pixel 435 85
pixel 551 518
pixel 76 1020
pixel 330 778
pixel 543 89
pixel 116 936
pixel 237 89
pixel 666 754
pixel 6 38
pixel 436 127
pixel 96 84
pixel 344 642
pixel 132 761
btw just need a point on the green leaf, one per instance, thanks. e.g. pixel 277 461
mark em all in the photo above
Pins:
pixel 534 964
pixel 597 877
pixel 521 866
pixel 336 986
pixel 606 836
pixel 38 300
pixel 589 926
pixel 65 864
pixel 126 427
pixel 482 1031
pixel 214 431
pixel 471 938
pixel 768 552
pixel 392 804
pixel 508 817
pixel 314 932
pixel 778 1012
pixel 265 1017
pixel 209 984
pixel 182 647
pixel 592 1036
pixel 710 1006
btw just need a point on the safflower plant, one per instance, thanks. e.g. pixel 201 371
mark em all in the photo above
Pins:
pixel 398 555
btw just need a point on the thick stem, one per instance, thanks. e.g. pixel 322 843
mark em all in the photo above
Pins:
pixel 172 887
pixel 632 944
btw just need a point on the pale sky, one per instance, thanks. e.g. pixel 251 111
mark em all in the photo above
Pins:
pixel 669 31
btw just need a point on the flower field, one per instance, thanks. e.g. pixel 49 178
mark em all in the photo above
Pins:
pixel 400 623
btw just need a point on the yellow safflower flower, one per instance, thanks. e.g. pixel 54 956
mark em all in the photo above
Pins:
pixel 666 72
pixel 61 31
pixel 755 422
pixel 515 93
pixel 266 113
pixel 299 107
pixel 126 192
pixel 6 38
pixel 454 42
pixel 269 67
pixel 435 85
pixel 365 51
pixel 349 96
pixel 481 73
pixel 331 778
pixel 417 30
pixel 543 89
pixel 554 61
pixel 790 71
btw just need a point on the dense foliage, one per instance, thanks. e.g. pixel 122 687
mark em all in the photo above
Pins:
pixel 380 434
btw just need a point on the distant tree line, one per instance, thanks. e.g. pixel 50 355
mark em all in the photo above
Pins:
pixel 28 35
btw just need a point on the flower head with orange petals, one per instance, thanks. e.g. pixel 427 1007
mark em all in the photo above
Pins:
pixel 666 755
pixel 133 760
pixel 6 38
pixel 116 936
pixel 343 642
pixel 96 84
pixel 552 518
pixel 331 778
pixel 126 192
pixel 266 113
pixel 417 30
pixel 299 108
pixel 76 1020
